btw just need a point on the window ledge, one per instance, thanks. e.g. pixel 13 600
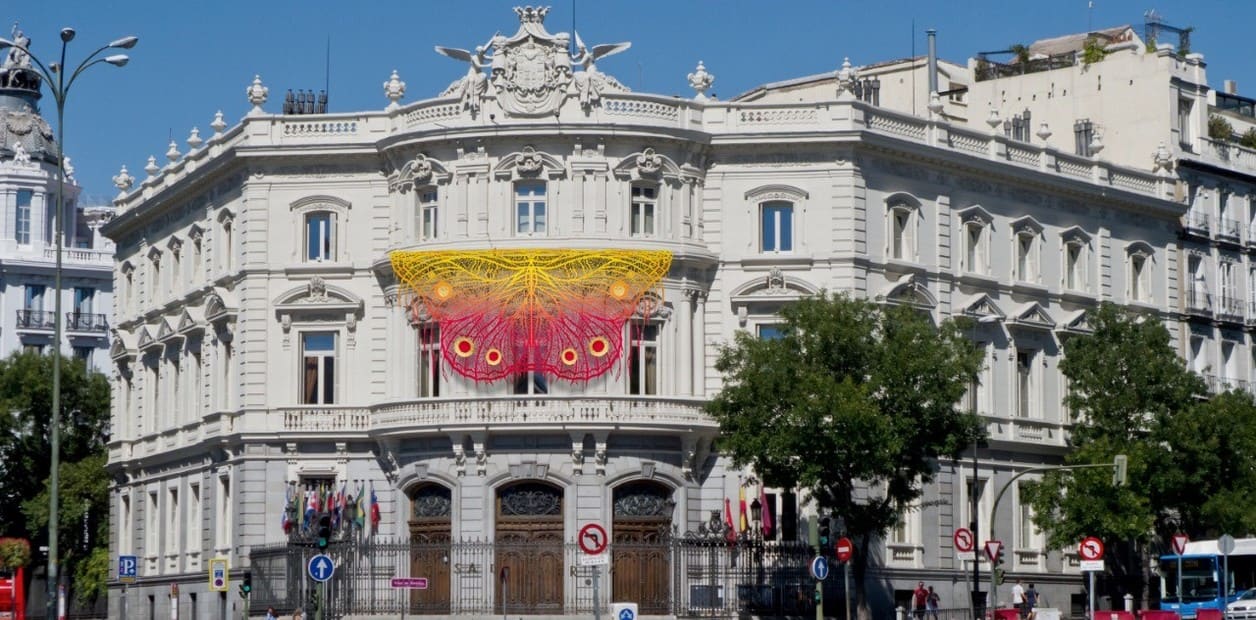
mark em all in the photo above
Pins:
pixel 1033 288
pixel 905 265
pixel 779 259
pixel 1078 296
pixel 322 269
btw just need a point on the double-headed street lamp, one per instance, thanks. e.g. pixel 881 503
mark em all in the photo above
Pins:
pixel 54 76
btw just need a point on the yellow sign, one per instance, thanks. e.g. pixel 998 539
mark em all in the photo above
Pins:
pixel 218 574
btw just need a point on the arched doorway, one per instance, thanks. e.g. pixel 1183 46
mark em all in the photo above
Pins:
pixel 640 569
pixel 529 549
pixel 430 535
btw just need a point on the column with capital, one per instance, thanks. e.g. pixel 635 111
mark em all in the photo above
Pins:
pixel 686 351
pixel 699 343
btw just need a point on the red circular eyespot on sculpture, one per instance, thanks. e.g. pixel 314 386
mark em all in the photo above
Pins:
pixel 493 357
pixel 463 347
pixel 599 347
pixel 568 356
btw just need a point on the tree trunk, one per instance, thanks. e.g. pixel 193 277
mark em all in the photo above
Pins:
pixel 860 560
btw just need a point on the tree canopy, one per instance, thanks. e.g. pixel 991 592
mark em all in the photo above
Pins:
pixel 1192 460
pixel 854 402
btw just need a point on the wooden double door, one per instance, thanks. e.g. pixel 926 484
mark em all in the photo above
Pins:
pixel 528 549
pixel 640 553
pixel 430 538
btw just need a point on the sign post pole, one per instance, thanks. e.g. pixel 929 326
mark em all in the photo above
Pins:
pixel 1091 574
pixel 597 602
pixel 1225 544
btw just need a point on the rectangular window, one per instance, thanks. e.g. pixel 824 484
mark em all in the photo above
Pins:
pixel 900 234
pixel 22 232
pixel 197 257
pixel 1026 265
pixel 83 300
pixel 1026 531
pixel 224 513
pixel 974 248
pixel 1073 266
pixel 152 525
pixel 1185 135
pixel 777 227
pixel 34 297
pixel 977 489
pixel 644 200
pixel 84 354
pixel 429 361
pixel 974 398
pixel 1025 397
pixel 1140 279
pixel 1083 135
pixel 320 237
pixel 172 521
pixel 530 208
pixel 643 359
pixel 125 524
pixel 318 351
pixel 194 530
pixel 531 383
pixel 427 215
pixel 769 331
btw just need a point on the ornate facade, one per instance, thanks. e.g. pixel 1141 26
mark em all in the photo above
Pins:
pixel 266 345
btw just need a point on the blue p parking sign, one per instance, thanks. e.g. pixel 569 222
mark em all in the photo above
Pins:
pixel 128 568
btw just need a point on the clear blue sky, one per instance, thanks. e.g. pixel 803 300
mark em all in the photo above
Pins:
pixel 197 57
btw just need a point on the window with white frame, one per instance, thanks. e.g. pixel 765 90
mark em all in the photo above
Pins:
pixel 770 331
pixel 193 543
pixel 173 518
pixel 176 269
pixel 1026 384
pixel 154 278
pixel 975 398
pixel 976 246
pixel 530 211
pixel 1229 286
pixel 1185 135
pixel 198 256
pixel 34 297
pixel 223 512
pixel 978 488
pixel 776 226
pixel 1028 536
pixel 128 287
pixel 227 246
pixel 1199 355
pixel 530 383
pixel 429 360
pixel 318 368
pixel 126 523
pixel 902 228
pixel 1026 247
pixel 1075 265
pixel 642 212
pixel 1139 276
pixel 643 359
pixel 904 538
pixel 320 236
pixel 1229 364
pixel 425 225
pixel 152 526
pixel 22 219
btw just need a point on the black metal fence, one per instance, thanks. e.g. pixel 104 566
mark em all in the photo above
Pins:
pixel 681 577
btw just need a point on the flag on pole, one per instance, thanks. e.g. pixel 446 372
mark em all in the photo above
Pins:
pixel 311 507
pixel 374 510
pixel 767 513
pixel 742 524
pixel 730 532
pixel 284 520
pixel 359 507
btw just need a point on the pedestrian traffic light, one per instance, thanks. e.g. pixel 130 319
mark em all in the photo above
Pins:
pixel 246 584
pixel 324 531
pixel 1119 465
pixel 825 533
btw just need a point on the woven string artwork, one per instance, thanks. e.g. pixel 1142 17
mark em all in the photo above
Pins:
pixel 506 312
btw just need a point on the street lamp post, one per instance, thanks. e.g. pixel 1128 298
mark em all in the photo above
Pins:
pixel 60 86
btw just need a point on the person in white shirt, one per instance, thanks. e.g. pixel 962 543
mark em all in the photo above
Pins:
pixel 1018 597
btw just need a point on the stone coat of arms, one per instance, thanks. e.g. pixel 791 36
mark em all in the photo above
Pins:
pixel 530 73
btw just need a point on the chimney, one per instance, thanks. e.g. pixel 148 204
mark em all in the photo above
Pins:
pixel 933 60
pixel 1231 87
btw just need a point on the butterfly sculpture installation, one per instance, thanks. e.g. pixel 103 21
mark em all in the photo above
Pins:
pixel 506 312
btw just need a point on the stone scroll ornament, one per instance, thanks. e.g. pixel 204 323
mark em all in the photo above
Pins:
pixel 506 312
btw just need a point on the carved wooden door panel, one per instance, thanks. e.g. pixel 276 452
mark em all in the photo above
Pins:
pixel 529 549
pixel 430 536
pixel 640 560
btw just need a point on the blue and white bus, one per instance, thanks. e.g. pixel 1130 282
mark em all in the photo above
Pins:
pixel 1201 575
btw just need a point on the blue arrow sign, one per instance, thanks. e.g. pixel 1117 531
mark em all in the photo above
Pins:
pixel 820 567
pixel 626 614
pixel 320 568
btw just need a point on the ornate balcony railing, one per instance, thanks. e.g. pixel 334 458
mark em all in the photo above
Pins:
pixel 85 322
pixel 35 319
pixel 500 412
pixel 1197 223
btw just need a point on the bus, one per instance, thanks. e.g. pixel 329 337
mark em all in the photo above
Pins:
pixel 1202 564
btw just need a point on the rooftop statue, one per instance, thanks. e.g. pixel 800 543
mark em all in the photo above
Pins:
pixel 530 73
pixel 16 71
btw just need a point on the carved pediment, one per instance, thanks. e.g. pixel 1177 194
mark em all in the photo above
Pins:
pixel 647 164
pixel 420 171
pixel 317 294
pixel 1032 314
pixel 1077 323
pixel 982 306
pixel 190 320
pixel 145 338
pixel 220 305
pixel 529 163
pixel 909 290
pixel 122 347
pixel 975 215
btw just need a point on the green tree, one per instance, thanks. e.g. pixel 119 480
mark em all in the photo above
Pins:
pixel 26 396
pixel 1133 395
pixel 82 520
pixel 854 403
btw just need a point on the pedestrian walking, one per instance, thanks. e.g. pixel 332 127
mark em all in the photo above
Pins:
pixel 920 598
pixel 932 602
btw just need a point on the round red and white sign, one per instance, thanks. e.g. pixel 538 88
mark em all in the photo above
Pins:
pixel 592 539
pixel 963 539
pixel 1091 548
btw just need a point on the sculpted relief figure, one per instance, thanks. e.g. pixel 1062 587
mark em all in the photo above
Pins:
pixel 531 72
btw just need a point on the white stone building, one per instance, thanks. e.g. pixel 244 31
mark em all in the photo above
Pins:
pixel 261 345
pixel 28 199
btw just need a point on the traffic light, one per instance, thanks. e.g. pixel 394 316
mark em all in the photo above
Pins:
pixel 998 558
pixel 998 576
pixel 324 531
pixel 1118 470
pixel 826 532
pixel 246 584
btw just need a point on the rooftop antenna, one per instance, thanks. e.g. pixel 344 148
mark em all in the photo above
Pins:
pixel 913 66
pixel 571 43
pixel 327 71
pixel 1090 16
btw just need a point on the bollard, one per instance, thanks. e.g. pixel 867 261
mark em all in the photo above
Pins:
pixel 1129 603
pixel 900 613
